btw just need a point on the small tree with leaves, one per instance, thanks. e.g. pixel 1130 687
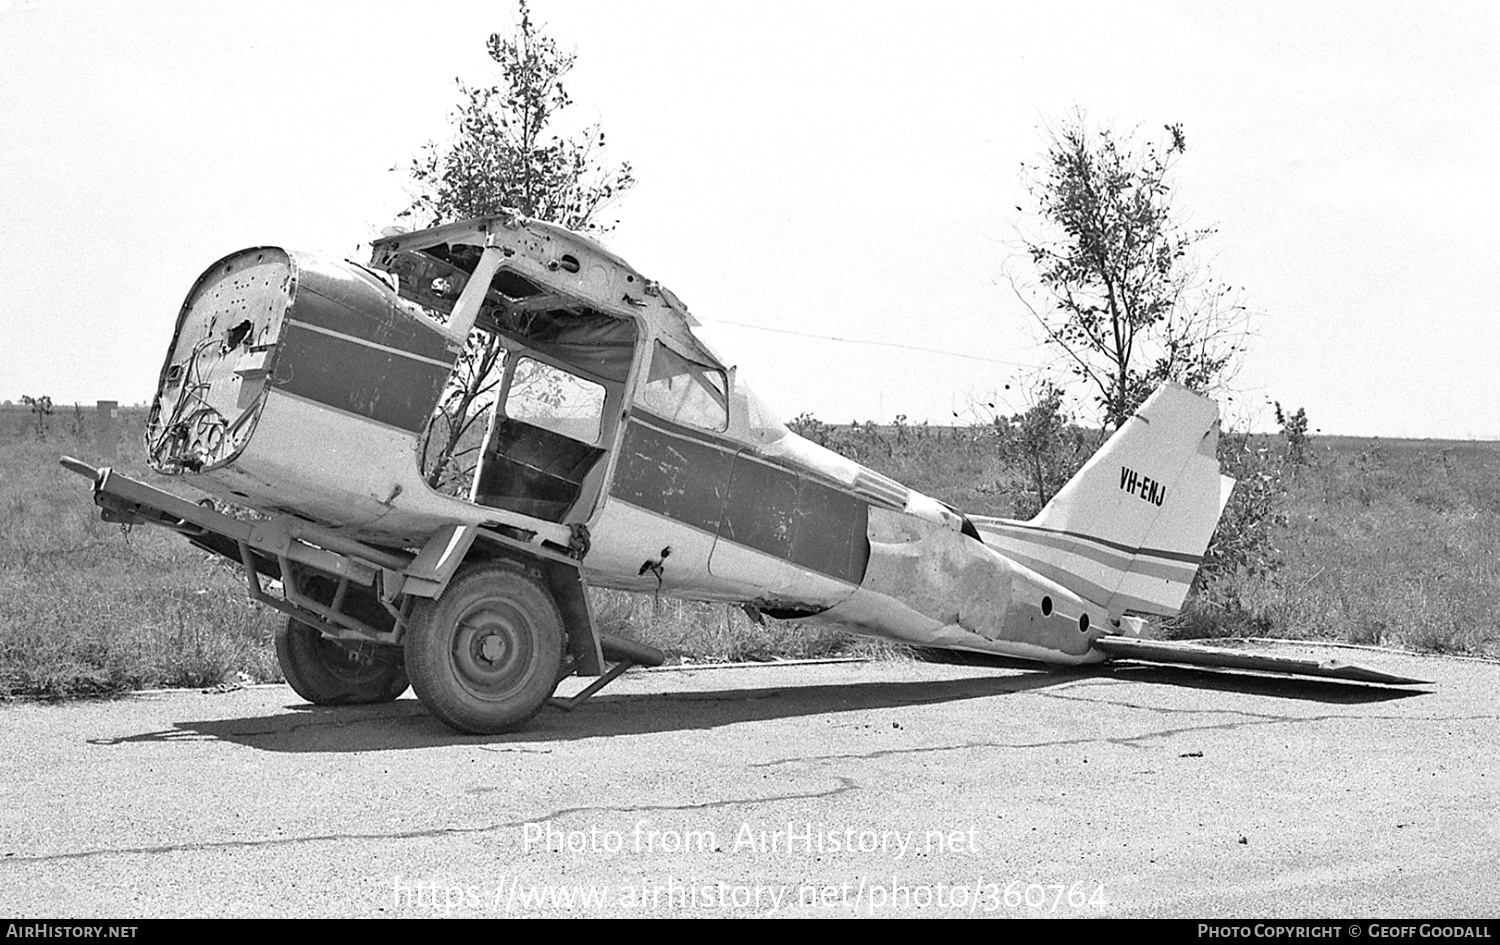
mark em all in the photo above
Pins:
pixel 506 154
pixel 41 412
pixel 1117 290
pixel 1294 434
pixel 1048 445
pixel 1039 449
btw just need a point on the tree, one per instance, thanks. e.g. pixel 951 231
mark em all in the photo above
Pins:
pixel 41 412
pixel 1120 293
pixel 1047 445
pixel 505 154
pixel 1294 434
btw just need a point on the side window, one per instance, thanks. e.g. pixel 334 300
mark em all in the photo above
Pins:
pixel 555 400
pixel 687 392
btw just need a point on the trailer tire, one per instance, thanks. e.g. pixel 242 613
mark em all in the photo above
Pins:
pixel 485 655
pixel 325 672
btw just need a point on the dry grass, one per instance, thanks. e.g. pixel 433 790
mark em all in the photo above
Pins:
pixel 1395 544
pixel 87 607
pixel 697 632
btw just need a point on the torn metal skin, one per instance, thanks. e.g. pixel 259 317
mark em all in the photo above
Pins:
pixel 612 448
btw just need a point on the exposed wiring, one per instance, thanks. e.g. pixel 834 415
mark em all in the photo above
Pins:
pixel 175 428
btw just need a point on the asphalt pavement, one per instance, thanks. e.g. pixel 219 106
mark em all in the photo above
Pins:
pixel 839 789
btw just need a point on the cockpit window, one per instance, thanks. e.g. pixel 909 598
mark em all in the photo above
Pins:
pixel 687 392
pixel 555 400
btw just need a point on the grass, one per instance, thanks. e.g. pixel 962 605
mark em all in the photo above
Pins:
pixel 1394 543
pixel 1386 543
pixel 694 631
pixel 87 607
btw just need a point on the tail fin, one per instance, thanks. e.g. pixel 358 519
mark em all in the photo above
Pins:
pixel 1129 530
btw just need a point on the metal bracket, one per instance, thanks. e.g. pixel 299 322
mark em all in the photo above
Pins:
pixel 626 653
pixel 328 621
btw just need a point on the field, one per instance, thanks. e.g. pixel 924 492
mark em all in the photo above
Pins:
pixel 1393 543
pixel 1384 542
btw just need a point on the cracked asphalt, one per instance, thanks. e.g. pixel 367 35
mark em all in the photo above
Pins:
pixel 880 788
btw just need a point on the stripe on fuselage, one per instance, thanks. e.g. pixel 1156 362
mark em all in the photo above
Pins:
pixel 380 383
pixel 716 485
pixel 1096 569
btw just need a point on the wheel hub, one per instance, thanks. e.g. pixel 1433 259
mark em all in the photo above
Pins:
pixel 492 648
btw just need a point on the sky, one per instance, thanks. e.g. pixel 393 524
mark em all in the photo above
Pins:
pixel 847 171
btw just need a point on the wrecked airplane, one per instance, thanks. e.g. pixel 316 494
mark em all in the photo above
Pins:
pixel 409 541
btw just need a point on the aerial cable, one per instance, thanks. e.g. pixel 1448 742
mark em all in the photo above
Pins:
pixel 864 341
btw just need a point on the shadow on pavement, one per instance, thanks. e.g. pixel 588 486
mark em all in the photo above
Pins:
pixel 405 724
pixel 1254 684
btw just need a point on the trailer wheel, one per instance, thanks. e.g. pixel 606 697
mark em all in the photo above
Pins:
pixel 485 656
pixel 325 672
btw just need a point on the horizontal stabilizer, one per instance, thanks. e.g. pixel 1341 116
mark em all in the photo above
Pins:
pixel 1187 654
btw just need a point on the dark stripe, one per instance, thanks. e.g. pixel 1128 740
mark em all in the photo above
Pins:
pixel 796 518
pixel 742 499
pixel 981 522
pixel 718 441
pixel 1088 590
pixel 1104 557
pixel 346 375
pixel 338 300
pixel 672 475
